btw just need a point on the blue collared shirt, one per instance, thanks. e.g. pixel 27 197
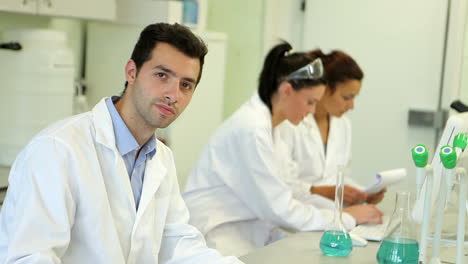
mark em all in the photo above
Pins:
pixel 128 148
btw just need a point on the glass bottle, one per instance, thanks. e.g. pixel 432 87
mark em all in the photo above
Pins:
pixel 400 244
pixel 335 241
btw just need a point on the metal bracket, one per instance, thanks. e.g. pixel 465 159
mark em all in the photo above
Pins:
pixel 427 118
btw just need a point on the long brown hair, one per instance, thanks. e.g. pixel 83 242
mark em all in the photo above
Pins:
pixel 339 67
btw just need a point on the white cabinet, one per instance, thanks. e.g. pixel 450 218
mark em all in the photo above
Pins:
pixel 88 9
pixel 19 6
pixel 145 12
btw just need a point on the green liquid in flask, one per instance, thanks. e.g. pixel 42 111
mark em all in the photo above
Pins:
pixel 398 250
pixel 336 243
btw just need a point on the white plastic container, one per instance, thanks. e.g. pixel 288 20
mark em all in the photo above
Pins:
pixel 36 87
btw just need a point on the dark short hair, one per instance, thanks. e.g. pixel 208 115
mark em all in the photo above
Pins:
pixel 339 66
pixel 277 65
pixel 176 35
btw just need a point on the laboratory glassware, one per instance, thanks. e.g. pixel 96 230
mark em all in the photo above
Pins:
pixel 400 244
pixel 424 172
pixel 335 241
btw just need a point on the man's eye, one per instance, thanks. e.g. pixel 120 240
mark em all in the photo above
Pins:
pixel 187 85
pixel 161 74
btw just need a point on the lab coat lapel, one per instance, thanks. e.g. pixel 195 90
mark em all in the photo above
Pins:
pixel 155 173
pixel 106 137
pixel 314 131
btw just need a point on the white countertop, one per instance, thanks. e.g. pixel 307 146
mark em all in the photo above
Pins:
pixel 303 248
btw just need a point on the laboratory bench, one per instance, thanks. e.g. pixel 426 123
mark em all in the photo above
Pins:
pixel 303 248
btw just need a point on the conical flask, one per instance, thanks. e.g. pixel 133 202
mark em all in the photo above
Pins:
pixel 335 241
pixel 400 244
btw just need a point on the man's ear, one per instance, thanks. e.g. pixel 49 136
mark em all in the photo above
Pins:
pixel 130 72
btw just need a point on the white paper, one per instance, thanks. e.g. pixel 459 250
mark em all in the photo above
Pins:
pixel 386 178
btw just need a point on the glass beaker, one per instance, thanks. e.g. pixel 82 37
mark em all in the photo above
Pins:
pixel 335 241
pixel 400 244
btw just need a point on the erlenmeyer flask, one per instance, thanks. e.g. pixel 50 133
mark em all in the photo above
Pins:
pixel 335 241
pixel 400 244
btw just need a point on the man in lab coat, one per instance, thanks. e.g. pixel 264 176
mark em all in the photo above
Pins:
pixel 98 187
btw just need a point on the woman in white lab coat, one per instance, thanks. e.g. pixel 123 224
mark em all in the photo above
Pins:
pixel 322 142
pixel 236 193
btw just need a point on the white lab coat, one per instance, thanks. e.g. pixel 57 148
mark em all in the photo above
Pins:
pixel 70 201
pixel 240 176
pixel 305 144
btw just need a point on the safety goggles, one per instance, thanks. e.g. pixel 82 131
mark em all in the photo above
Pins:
pixel 311 71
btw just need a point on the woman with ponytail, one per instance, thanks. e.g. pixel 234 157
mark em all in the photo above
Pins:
pixel 322 142
pixel 236 193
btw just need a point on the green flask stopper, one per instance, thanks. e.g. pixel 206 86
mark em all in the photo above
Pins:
pixel 420 155
pixel 448 157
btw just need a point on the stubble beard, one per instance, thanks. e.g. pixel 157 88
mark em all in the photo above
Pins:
pixel 148 112
pixel 152 117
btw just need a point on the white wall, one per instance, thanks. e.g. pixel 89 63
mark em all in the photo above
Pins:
pixel 242 21
pixel 455 57
pixel 283 20
pixel 109 47
pixel 464 71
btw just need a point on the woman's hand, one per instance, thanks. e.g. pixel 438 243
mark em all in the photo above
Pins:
pixel 365 213
pixel 351 195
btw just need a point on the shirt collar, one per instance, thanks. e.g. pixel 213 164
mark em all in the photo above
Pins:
pixel 124 139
